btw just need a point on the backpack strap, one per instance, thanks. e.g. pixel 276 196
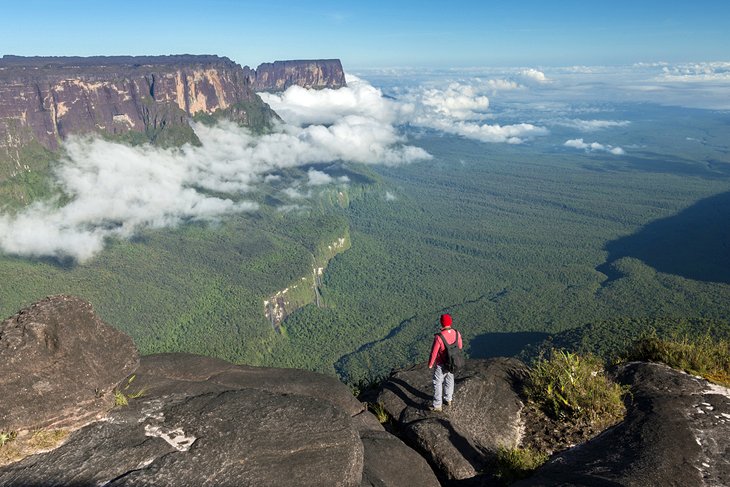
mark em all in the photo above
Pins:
pixel 443 340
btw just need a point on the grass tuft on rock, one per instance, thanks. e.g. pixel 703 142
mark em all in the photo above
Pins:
pixel 703 356
pixel 378 409
pixel 518 463
pixel 568 386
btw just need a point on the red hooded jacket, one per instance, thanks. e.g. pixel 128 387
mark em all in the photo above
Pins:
pixel 438 351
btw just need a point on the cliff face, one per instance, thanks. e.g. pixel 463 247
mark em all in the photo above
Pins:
pixel 44 100
pixel 280 75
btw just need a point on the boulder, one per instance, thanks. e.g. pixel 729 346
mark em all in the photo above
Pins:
pixel 59 363
pixel 390 463
pixel 676 432
pixel 240 437
pixel 484 416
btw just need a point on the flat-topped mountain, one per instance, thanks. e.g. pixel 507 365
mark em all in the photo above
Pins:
pixel 44 100
pixel 316 74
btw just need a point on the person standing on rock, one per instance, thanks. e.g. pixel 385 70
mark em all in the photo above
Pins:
pixel 443 378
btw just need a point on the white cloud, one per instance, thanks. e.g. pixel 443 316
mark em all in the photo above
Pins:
pixel 591 125
pixel 502 84
pixel 302 107
pixel 511 134
pixel 534 75
pixel 695 72
pixel 458 101
pixel 319 178
pixel 459 109
pixel 594 147
pixel 117 190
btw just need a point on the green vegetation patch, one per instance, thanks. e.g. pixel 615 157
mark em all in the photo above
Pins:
pixel 703 355
pixel 514 464
pixel 17 447
pixel 574 387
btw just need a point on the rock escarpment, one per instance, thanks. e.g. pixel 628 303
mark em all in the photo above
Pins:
pixel 202 421
pixel 280 75
pixel 196 420
pixel 43 100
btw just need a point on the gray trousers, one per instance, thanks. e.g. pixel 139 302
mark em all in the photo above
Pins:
pixel 443 386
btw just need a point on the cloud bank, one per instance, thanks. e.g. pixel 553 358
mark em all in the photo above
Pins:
pixel 116 190
pixel 461 109
pixel 591 125
pixel 594 147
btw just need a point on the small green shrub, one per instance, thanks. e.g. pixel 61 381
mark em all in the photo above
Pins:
pixel 570 386
pixel 6 437
pixel 122 397
pixel 518 463
pixel 378 409
pixel 703 356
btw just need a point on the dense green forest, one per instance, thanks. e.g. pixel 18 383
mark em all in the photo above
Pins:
pixel 519 243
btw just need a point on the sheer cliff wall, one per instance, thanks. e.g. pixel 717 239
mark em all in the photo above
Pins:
pixel 44 100
pixel 316 73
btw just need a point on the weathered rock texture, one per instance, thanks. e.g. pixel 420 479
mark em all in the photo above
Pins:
pixel 59 364
pixel 280 75
pixel 203 421
pixel 46 99
pixel 676 433
pixel 484 415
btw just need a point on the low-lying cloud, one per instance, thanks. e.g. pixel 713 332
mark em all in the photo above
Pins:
pixel 594 147
pixel 461 109
pixel 591 125
pixel 116 190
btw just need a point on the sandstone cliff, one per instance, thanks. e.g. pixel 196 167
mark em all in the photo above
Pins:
pixel 43 100
pixel 280 75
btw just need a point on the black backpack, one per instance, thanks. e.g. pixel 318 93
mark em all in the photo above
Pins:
pixel 454 355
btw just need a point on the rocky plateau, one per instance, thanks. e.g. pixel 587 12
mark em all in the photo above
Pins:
pixel 194 420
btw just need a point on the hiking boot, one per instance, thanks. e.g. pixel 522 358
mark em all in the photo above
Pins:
pixel 436 409
pixel 448 403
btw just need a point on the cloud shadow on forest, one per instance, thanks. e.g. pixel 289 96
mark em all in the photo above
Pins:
pixel 506 344
pixel 694 244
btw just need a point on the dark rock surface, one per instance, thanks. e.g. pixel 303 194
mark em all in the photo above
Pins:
pixel 242 437
pixel 390 463
pixel 484 416
pixel 58 365
pixel 190 420
pixel 186 374
pixel 676 432
pixel 280 75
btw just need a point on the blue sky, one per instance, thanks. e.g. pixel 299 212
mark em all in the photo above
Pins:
pixel 377 33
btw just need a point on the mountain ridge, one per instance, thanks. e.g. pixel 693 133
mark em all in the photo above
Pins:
pixel 44 100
